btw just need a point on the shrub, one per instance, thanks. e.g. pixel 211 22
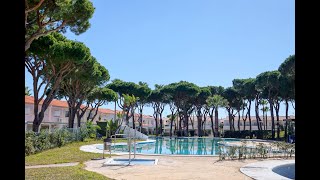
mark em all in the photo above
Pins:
pixel 42 141
pixel 29 139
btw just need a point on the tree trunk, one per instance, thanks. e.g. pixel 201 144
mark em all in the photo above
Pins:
pixel 239 120
pixel 156 121
pixel 211 118
pixel 171 123
pixel 36 121
pixel 185 117
pixel 133 123
pixel 266 119
pixel 161 123
pixel 249 114
pixel 285 130
pixel 38 116
pixel 216 122
pixel 141 119
pixel 257 112
pixel 272 119
pixel 277 107
pixel 199 119
pixel 230 119
pixel 263 119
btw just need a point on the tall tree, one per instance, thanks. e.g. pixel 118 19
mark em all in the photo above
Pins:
pixel 183 94
pixel 79 84
pixel 264 109
pixel 43 17
pixel 199 103
pixel 158 101
pixel 230 95
pixel 143 92
pixel 49 60
pixel 98 97
pixel 216 101
pixel 128 88
pixel 287 84
pixel 269 81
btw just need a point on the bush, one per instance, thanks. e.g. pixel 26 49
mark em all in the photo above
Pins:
pixel 37 142
pixel 42 141
pixel 246 134
pixel 29 138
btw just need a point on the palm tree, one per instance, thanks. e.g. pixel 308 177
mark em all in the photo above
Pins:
pixel 263 102
pixel 216 101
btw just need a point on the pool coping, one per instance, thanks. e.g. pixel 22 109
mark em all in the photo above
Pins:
pixel 263 170
pixel 112 159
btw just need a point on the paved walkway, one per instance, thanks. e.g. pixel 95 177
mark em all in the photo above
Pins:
pixel 263 170
pixel 52 165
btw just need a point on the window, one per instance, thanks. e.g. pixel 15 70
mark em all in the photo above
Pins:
pixel 56 113
pixel 66 114
pixel 27 110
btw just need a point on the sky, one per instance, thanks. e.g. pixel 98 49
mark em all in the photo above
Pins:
pixel 206 42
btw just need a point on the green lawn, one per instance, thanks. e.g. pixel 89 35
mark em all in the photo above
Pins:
pixel 68 153
pixel 62 173
pixel 65 154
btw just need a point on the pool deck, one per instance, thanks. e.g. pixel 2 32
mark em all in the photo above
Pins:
pixel 174 167
pixel 263 170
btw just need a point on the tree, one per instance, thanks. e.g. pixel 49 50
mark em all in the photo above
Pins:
pixel 215 90
pixel 287 84
pixel 269 81
pixel 230 94
pixel 158 101
pixel 27 91
pixel 49 60
pixel 43 17
pixel 128 88
pixel 199 103
pixel 79 84
pixel 216 101
pixel 183 94
pixel 98 97
pixel 143 92
pixel 129 105
pixel 264 109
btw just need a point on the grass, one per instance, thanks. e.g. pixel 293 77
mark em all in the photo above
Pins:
pixel 68 153
pixel 63 173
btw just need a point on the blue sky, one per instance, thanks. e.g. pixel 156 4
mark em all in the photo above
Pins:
pixel 207 42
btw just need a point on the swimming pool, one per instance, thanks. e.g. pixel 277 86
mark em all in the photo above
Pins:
pixel 175 146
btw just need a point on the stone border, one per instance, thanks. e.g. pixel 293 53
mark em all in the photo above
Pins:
pixel 52 165
pixel 263 170
pixel 107 162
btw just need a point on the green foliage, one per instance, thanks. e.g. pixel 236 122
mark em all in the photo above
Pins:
pixel 27 91
pixel 89 130
pixel 269 82
pixel 216 101
pixel 112 127
pixel 287 68
pixel 38 142
pixel 60 15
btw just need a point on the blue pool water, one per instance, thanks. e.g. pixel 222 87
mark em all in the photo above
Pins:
pixel 176 146
pixel 287 170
